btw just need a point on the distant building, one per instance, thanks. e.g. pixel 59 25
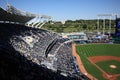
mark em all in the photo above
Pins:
pixel 75 36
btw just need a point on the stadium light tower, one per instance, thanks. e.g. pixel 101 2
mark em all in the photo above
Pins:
pixel 104 22
pixel 98 24
pixel 110 26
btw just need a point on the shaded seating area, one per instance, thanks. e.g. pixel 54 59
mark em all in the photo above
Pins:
pixel 22 50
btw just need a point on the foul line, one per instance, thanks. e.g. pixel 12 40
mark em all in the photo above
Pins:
pixel 80 64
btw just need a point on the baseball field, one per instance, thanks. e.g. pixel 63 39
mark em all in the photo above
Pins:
pixel 101 60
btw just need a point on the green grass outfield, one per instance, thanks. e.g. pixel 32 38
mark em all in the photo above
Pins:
pixel 89 50
pixel 99 49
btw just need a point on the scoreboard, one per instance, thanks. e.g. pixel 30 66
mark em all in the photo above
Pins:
pixel 118 24
pixel 117 32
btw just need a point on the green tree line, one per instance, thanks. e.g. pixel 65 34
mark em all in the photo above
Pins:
pixel 80 25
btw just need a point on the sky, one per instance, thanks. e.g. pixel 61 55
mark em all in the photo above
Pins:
pixel 61 10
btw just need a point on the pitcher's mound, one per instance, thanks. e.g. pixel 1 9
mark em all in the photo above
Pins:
pixel 113 66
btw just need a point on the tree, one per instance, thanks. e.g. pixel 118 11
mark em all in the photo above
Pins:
pixel 84 26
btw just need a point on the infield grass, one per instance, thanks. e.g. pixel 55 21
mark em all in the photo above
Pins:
pixel 106 66
pixel 118 78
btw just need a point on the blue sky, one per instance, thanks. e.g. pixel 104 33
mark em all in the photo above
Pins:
pixel 67 9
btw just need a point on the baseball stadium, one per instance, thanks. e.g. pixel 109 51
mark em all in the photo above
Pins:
pixel 33 47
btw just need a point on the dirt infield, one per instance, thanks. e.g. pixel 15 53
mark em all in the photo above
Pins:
pixel 80 64
pixel 96 59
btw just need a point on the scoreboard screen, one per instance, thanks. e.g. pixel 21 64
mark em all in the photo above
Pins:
pixel 117 32
pixel 118 24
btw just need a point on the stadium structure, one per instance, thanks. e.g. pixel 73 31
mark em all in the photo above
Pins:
pixel 75 36
pixel 30 53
